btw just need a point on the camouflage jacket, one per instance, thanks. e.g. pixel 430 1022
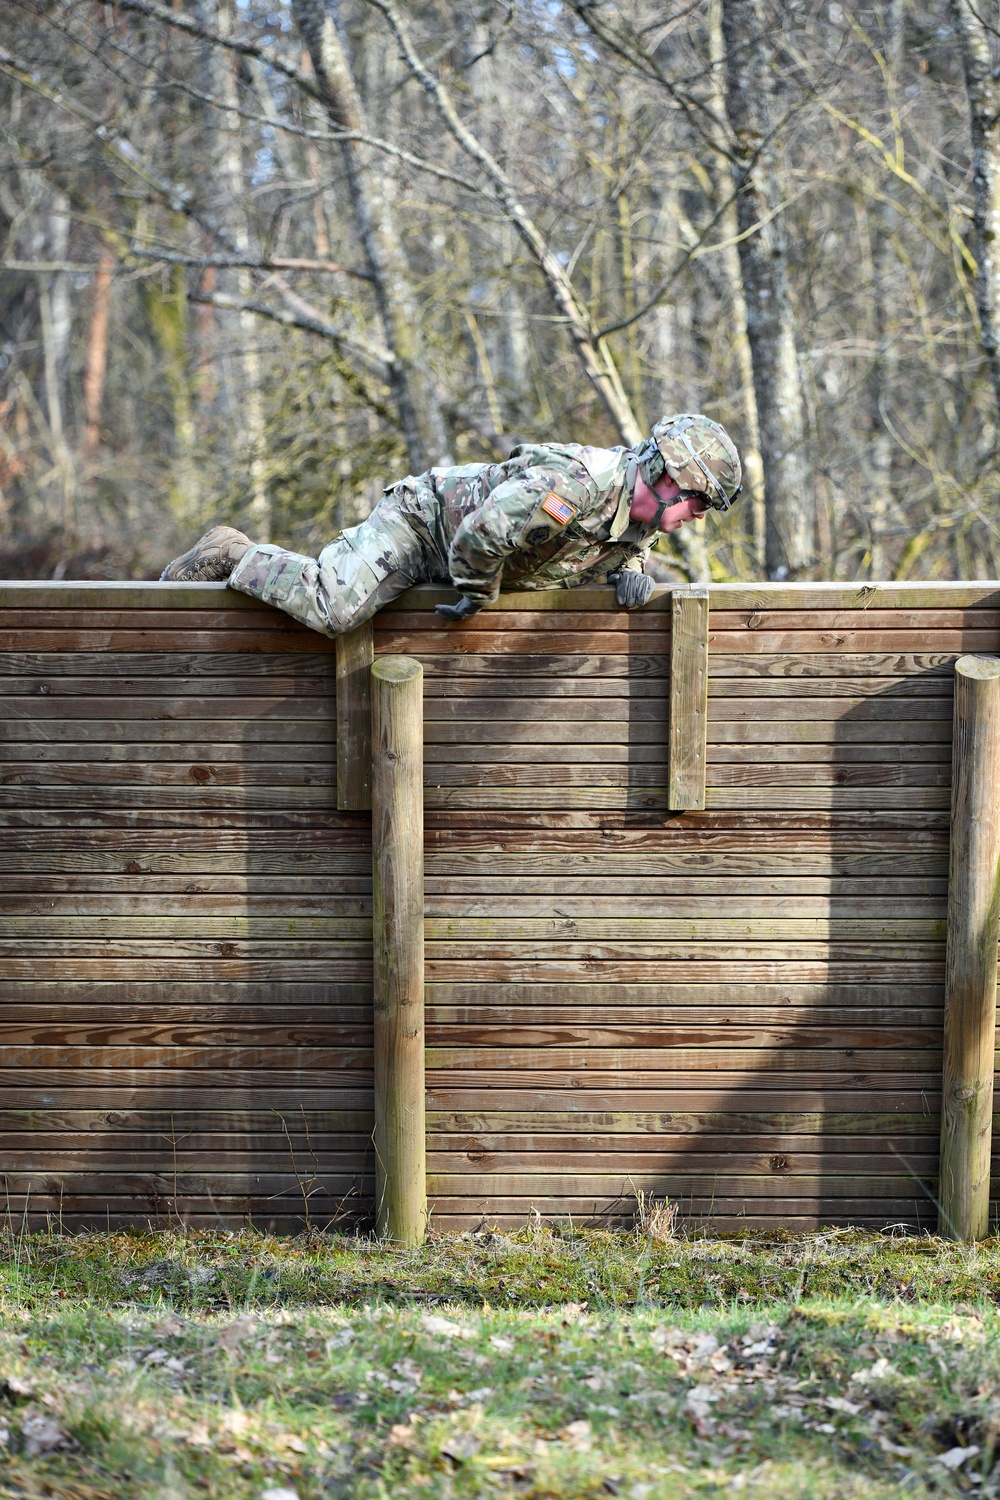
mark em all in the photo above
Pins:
pixel 550 516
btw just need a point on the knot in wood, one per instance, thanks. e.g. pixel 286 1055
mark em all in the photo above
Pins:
pixel 779 1163
pixel 963 1092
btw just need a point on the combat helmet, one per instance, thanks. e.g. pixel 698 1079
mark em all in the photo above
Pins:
pixel 697 453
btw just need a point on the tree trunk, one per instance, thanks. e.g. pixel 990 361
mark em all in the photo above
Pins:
pixel 983 87
pixel 764 269
pixel 225 192
pixel 753 468
pixel 416 400
pixel 880 500
pixel 96 365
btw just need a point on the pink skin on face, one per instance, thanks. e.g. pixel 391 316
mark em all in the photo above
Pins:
pixel 646 504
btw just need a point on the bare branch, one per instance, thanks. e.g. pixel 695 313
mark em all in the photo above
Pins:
pixel 175 258
pixel 306 318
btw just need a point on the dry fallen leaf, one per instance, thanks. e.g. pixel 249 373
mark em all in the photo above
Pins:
pixel 501 1343
pixel 444 1327
pixel 461 1446
pixel 840 1403
pixel 42 1434
pixel 578 1435
pixel 956 1457
pixel 169 1327
pixel 14 1388
pixel 234 1333
pixel 289 1442
pixel 402 1435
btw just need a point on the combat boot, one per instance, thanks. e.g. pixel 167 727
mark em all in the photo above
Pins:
pixel 210 560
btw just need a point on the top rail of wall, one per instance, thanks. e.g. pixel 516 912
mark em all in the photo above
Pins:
pixel 725 596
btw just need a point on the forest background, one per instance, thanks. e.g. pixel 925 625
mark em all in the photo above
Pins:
pixel 262 257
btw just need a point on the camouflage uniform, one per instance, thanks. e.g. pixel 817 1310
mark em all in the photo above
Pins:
pixel 551 516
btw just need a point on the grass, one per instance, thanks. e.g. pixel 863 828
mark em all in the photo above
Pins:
pixel 535 1364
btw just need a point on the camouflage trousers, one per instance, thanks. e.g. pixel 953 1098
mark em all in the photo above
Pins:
pixel 365 568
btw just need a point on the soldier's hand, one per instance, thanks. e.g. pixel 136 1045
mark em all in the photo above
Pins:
pixel 460 611
pixel 632 590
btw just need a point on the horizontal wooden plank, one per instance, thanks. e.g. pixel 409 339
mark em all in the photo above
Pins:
pixel 227 1002
pixel 665 1031
pixel 211 908
pixel 238 752
pixel 786 1130
pixel 351 956
pixel 165 738
pixel 162 1059
pixel 782 1128
pixel 593 700
pixel 230 615
pixel 678 965
pixel 116 854
pixel 639 914
pixel 753 855
pixel 230 889
pixel 598 770
pixel 553 641
pixel 938 685
pixel 194 797
pixel 248 707
pixel 732 596
pixel 221 661
pixel 858 640
pixel 773 798
pixel 718 799
pixel 488 755
pixel 646 1065
pixel 79 637
pixel 843 732
pixel 698 887
pixel 552 832
pixel 901 752
pixel 650 666
pixel 169 773
pixel 866 596
pixel 812 664
pixel 219 1001
pixel 226 928
pixel 570 618
pixel 813 621
pixel 611 1156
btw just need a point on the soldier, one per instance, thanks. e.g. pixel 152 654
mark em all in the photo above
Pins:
pixel 551 516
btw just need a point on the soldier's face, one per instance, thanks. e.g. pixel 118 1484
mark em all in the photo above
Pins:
pixel 687 509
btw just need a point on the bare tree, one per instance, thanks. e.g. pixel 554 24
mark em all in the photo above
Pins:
pixel 764 261
pixel 978 43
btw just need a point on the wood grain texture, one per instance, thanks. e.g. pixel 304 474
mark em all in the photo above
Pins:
pixel 971 976
pixel 613 988
pixel 398 948
pixel 688 699
pixel 354 654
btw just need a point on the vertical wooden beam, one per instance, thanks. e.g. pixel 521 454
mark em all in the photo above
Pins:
pixel 355 653
pixel 971 964
pixel 688 698
pixel 398 912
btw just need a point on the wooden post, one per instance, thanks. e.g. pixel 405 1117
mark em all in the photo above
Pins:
pixel 971 965
pixel 355 652
pixel 398 911
pixel 688 698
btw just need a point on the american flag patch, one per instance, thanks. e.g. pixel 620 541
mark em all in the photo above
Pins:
pixel 560 510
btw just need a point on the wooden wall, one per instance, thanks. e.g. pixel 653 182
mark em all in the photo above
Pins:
pixel 740 1007
pixel 185 944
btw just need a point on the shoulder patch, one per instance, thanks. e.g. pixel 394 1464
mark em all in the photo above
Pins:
pixel 560 510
